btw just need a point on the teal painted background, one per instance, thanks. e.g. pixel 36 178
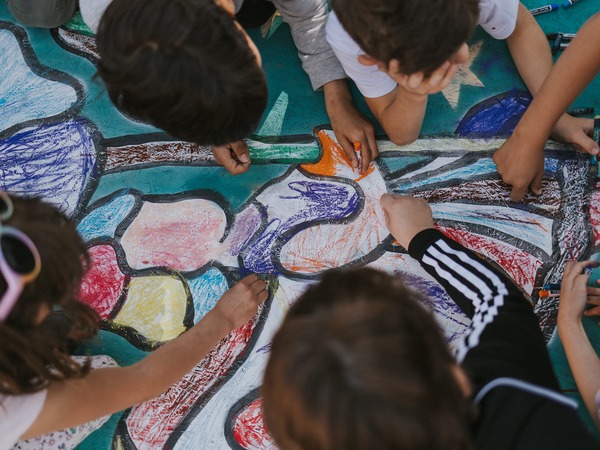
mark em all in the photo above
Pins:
pixel 293 108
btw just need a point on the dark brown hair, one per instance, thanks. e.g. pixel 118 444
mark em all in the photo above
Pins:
pixel 29 354
pixel 358 363
pixel 421 35
pixel 183 66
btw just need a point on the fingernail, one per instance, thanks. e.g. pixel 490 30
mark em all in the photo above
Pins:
pixel 595 150
pixel 244 158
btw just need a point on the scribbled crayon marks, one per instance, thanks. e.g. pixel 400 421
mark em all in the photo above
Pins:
pixel 54 161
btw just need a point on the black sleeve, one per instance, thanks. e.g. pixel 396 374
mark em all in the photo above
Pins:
pixel 504 338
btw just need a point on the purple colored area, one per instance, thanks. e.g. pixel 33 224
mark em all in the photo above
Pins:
pixel 52 161
pixel 323 202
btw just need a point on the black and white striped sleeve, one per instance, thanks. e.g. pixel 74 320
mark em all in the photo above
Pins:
pixel 504 338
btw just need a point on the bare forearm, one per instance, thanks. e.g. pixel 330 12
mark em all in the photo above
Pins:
pixel 106 391
pixel 573 71
pixel 403 117
pixel 583 361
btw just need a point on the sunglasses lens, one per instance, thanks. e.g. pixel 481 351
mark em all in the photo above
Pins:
pixel 17 254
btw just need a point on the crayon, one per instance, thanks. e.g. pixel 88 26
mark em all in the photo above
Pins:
pixel 557 41
pixel 569 3
pixel 545 9
pixel 552 286
pixel 566 37
pixel 581 111
pixel 548 294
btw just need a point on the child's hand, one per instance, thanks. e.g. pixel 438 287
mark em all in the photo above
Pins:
pixel 234 157
pixel 574 292
pixel 577 131
pixel 239 304
pixel 521 165
pixel 406 216
pixel 417 83
pixel 349 127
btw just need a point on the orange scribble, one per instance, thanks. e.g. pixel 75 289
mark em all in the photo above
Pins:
pixel 367 173
pixel 333 156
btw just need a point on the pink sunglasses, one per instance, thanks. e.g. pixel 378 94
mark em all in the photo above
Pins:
pixel 20 261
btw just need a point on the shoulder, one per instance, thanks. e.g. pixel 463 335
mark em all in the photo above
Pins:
pixel 17 414
pixel 498 17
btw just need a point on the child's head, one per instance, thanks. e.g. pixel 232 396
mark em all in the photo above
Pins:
pixel 420 35
pixel 359 363
pixel 184 66
pixel 28 352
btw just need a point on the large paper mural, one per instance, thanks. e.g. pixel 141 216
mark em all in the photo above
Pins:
pixel 169 231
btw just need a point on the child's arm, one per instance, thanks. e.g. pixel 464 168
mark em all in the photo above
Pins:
pixel 307 20
pixel 401 111
pixel 504 338
pixel 520 159
pixel 349 125
pixel 106 391
pixel 582 357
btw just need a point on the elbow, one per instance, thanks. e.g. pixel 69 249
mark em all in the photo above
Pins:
pixel 403 138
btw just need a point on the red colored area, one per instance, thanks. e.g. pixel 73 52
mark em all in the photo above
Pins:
pixel 249 429
pixel 595 214
pixel 520 265
pixel 103 284
pixel 150 424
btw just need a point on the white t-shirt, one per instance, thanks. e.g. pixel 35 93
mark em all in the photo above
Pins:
pixel 497 17
pixel 17 414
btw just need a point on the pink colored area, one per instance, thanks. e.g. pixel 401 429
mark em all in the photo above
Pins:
pixel 182 235
pixel 595 214
pixel 249 428
pixel 103 284
pixel 150 424
pixel 520 265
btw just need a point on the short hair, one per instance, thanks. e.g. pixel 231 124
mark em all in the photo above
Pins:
pixel 359 363
pixel 421 35
pixel 183 66
pixel 30 354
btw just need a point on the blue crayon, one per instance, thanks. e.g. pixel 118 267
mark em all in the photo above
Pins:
pixel 552 286
pixel 544 9
pixel 569 3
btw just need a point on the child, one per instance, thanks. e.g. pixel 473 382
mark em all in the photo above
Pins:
pixel 582 357
pixel 520 160
pixel 189 68
pixel 43 389
pixel 359 363
pixel 400 52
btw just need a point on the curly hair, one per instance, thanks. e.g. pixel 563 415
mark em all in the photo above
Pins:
pixel 359 363
pixel 183 66
pixel 421 35
pixel 29 355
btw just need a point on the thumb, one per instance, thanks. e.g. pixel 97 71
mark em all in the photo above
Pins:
pixel 536 184
pixel 240 149
pixel 586 143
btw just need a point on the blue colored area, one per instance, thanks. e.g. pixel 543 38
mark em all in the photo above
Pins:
pixel 481 167
pixel 103 221
pixel 206 291
pixel 52 161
